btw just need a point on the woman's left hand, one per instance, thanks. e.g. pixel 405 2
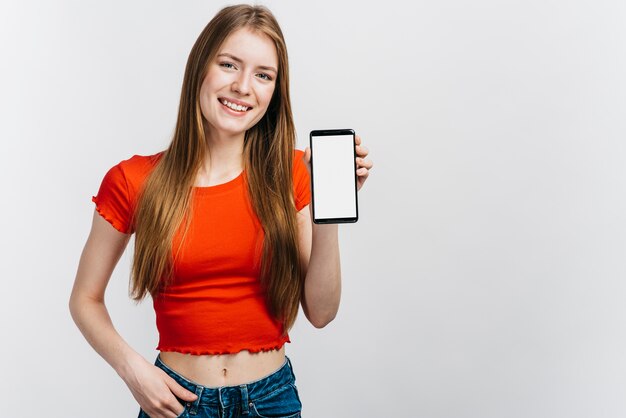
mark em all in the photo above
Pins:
pixel 363 165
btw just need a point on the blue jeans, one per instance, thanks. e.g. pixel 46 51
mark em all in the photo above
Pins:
pixel 273 396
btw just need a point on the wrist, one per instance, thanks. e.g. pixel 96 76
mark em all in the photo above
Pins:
pixel 325 232
pixel 127 364
pixel 325 227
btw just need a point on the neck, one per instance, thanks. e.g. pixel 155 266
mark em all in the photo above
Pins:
pixel 226 150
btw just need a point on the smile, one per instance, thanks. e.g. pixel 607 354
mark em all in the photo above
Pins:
pixel 233 106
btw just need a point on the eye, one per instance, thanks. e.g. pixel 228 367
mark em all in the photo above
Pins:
pixel 227 65
pixel 265 76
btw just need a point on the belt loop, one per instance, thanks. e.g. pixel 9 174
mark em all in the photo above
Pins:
pixel 196 403
pixel 244 399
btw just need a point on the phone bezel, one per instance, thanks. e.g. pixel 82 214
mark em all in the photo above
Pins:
pixel 333 132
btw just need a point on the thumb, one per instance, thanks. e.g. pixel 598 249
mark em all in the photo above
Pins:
pixel 180 391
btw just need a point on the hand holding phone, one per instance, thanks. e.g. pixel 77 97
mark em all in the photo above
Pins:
pixel 333 176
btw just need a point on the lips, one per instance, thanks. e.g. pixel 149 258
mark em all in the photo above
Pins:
pixel 235 105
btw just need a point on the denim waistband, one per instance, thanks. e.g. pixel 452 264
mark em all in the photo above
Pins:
pixel 231 395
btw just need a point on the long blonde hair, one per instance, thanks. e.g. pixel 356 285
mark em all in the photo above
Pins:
pixel 164 205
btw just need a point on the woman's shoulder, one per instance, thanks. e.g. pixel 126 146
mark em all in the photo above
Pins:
pixel 300 180
pixel 139 165
pixel 131 172
pixel 137 161
pixel 297 158
pixel 298 162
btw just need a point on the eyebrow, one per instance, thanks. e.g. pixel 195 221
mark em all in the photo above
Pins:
pixel 234 58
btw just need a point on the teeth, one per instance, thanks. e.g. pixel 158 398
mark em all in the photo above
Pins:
pixel 233 106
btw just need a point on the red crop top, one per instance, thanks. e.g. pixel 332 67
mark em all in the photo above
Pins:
pixel 215 304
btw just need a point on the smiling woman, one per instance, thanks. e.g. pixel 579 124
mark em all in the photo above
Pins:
pixel 224 242
pixel 239 84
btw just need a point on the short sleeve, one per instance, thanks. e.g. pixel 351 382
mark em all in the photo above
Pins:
pixel 301 181
pixel 113 200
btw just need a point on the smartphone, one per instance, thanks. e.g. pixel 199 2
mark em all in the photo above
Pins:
pixel 333 176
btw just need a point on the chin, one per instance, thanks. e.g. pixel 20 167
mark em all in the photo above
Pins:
pixel 231 130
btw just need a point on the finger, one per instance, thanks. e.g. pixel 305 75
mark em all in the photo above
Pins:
pixel 363 172
pixel 307 154
pixel 180 391
pixel 174 405
pixel 179 413
pixel 362 150
pixel 357 139
pixel 166 409
pixel 364 163
pixel 174 409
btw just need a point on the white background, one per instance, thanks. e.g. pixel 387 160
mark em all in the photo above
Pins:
pixel 485 277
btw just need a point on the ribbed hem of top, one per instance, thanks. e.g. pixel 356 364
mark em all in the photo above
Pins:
pixel 110 219
pixel 252 349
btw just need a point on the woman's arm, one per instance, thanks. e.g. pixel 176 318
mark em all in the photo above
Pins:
pixel 319 258
pixel 100 255
pixel 151 387
pixel 319 252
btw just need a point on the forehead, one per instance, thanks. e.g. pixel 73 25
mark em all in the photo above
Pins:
pixel 252 47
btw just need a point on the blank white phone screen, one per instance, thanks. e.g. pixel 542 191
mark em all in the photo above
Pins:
pixel 334 194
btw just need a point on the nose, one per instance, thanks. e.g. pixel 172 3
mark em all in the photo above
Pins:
pixel 242 84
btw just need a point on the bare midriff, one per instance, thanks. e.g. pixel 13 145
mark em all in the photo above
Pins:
pixel 224 369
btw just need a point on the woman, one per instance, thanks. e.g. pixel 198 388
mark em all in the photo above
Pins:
pixel 224 242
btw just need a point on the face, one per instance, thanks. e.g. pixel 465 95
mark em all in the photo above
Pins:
pixel 239 83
